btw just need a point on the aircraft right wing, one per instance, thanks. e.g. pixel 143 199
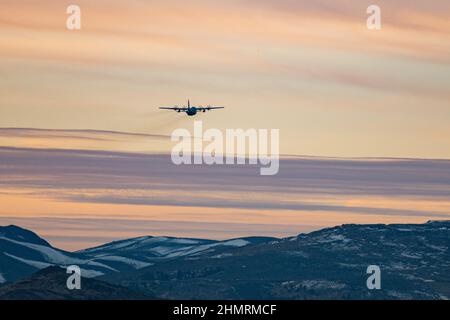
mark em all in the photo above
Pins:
pixel 208 108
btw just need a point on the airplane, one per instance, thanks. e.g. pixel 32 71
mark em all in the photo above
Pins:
pixel 191 111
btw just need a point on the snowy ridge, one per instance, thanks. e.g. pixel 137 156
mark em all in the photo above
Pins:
pixel 148 249
pixel 33 263
pixel 22 252
pixel 333 263
pixel 134 263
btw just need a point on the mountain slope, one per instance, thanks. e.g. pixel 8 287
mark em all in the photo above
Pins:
pixel 148 250
pixel 50 284
pixel 19 234
pixel 22 253
pixel 326 264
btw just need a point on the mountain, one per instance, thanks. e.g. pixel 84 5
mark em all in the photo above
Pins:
pixel 326 264
pixel 50 284
pixel 19 234
pixel 22 253
pixel 142 252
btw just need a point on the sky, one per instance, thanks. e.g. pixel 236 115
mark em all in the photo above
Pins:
pixel 78 197
pixel 338 92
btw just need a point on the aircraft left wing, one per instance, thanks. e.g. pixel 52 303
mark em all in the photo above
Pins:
pixel 174 108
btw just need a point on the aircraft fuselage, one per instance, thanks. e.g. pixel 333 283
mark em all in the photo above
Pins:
pixel 192 111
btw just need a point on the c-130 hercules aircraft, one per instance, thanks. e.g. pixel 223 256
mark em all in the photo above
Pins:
pixel 191 110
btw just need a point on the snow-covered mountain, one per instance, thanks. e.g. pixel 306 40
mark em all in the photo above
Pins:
pixel 153 249
pixel 331 263
pixel 22 252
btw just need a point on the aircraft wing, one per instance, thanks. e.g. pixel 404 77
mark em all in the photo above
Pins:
pixel 174 108
pixel 209 108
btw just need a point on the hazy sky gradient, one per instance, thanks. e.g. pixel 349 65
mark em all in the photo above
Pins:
pixel 309 68
pixel 85 197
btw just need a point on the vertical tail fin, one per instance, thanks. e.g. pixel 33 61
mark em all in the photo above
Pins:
pixel 189 104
